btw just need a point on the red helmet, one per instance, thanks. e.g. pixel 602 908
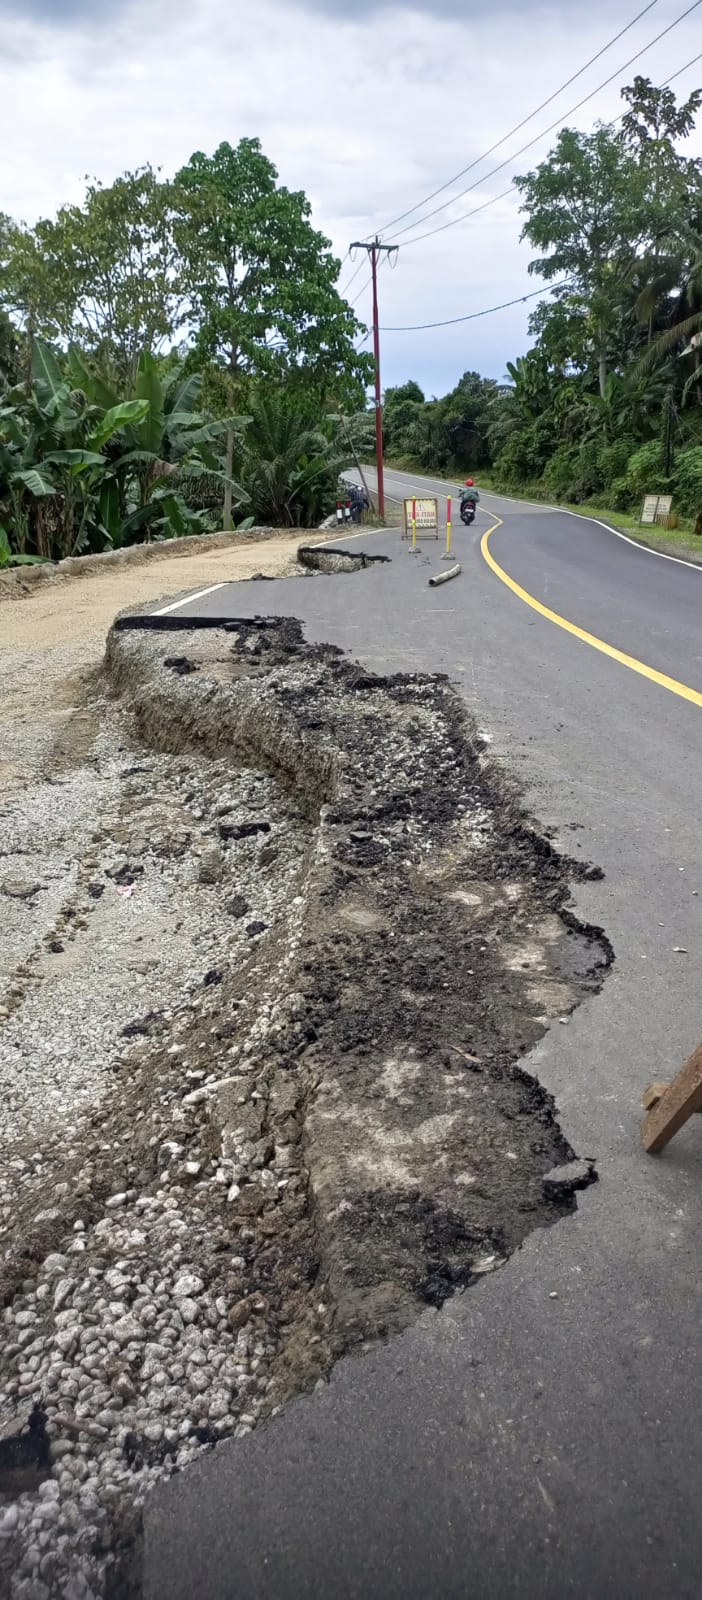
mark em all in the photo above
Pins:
pixel 469 483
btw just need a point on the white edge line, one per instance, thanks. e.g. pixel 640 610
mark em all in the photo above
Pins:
pixel 188 600
pixel 542 505
pixel 636 544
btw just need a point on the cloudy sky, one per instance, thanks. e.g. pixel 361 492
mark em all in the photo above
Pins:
pixel 366 105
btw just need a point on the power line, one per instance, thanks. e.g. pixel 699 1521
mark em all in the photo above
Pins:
pixel 343 292
pixel 519 125
pixel 465 215
pixel 678 74
pixel 418 327
pixel 531 142
pixel 382 263
pixel 361 291
pixel 521 299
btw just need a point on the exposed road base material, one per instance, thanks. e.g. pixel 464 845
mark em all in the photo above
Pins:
pixel 423 869
pixel 320 559
pixel 327 1127
pixel 671 1108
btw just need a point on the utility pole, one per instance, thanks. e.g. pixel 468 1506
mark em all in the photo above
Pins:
pixel 375 250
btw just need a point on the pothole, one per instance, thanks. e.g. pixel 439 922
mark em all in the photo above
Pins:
pixel 316 558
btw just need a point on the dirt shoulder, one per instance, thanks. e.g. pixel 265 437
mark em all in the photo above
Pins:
pixel 52 639
pixel 85 608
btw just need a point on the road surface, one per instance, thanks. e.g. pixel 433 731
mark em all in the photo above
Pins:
pixel 541 1435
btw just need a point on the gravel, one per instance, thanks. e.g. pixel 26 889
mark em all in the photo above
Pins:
pixel 119 1360
pixel 236 1138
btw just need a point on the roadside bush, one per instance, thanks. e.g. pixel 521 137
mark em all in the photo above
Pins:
pixel 612 462
pixel 645 472
pixel 561 471
pixel 525 454
pixel 619 495
pixel 687 482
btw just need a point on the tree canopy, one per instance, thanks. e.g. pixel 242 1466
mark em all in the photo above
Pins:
pixel 259 280
pixel 606 402
pixel 143 332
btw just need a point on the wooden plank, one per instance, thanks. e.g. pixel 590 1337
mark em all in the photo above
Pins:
pixel 653 1094
pixel 681 1100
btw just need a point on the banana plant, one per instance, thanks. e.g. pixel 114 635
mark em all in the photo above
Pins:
pixel 11 558
pixel 53 463
pixel 167 461
pixel 83 468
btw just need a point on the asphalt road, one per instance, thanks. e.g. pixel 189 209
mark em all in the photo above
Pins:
pixel 541 1435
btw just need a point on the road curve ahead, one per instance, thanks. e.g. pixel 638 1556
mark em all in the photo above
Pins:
pixel 647 607
pixel 541 1436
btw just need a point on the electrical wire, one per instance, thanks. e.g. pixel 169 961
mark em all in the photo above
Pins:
pixel 538 137
pixel 361 291
pixel 466 215
pixel 680 71
pixel 418 327
pixel 382 263
pixel 343 292
pixel 521 299
pixel 519 125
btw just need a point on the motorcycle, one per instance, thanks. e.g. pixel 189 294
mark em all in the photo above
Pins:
pixel 467 512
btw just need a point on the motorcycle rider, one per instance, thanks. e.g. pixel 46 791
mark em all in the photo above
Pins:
pixel 470 493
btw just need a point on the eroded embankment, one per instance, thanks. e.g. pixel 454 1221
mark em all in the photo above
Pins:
pixel 432 955
pixel 327 1127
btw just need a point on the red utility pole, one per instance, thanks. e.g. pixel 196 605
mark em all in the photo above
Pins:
pixel 375 249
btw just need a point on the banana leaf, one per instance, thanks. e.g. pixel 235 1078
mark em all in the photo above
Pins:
pixel 110 510
pixel 149 387
pixel 38 483
pixel 76 460
pixel 46 372
pixel 130 411
pixel 90 380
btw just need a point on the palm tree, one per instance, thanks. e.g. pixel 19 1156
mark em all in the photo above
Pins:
pixel 289 467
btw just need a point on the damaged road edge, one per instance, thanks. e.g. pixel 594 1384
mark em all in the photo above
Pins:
pixel 359 1081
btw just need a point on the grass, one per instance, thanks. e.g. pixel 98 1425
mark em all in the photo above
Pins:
pixel 680 541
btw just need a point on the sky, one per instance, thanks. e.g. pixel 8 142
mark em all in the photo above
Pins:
pixel 367 106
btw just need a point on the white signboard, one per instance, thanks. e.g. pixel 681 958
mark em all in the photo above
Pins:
pixel 426 512
pixel 656 508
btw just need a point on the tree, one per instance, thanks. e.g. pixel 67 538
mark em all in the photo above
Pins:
pixel 9 351
pixel 166 478
pixel 402 409
pixel 53 466
pixel 102 274
pixel 260 280
pixel 289 466
pixel 651 127
pixel 588 213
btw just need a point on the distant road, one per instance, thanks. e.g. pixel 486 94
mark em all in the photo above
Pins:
pixel 540 1437
pixel 645 605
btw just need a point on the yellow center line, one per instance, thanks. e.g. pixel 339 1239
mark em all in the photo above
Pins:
pixel 661 678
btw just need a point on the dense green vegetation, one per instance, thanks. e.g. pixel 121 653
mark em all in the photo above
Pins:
pixel 174 353
pixel 606 404
pixel 171 351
